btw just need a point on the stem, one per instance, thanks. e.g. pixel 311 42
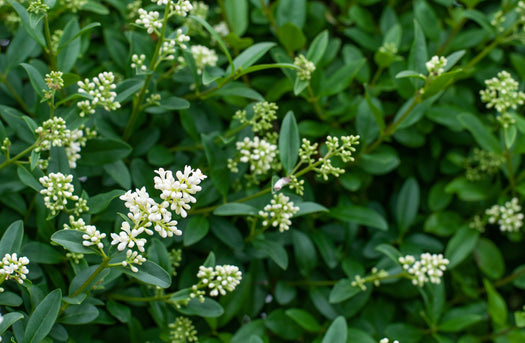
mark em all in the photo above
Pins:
pixel 508 159
pixel 482 54
pixel 246 198
pixel 390 129
pixel 377 74
pixel 50 51
pixel 269 15
pixel 452 34
pixel 139 299
pixel 315 101
pixel 19 156
pixel 137 102
pixel 15 95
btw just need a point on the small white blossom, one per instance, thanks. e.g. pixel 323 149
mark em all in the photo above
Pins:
pixel 386 340
pixel 502 93
pixel 179 193
pixel 137 62
pixel 220 279
pixel 307 67
pixel 258 153
pixel 127 237
pixel 53 132
pixel 182 7
pixel 91 235
pixel 150 20
pixel 508 217
pixel 436 65
pixel 278 212
pixel 429 268
pixel 203 57
pixel 14 268
pixel 101 88
pixel 133 257
pixel 58 189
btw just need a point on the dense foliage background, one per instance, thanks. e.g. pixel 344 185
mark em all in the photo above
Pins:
pixel 437 169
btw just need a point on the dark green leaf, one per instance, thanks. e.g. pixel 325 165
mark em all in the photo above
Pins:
pixel 489 258
pixel 37 81
pixel 289 142
pixel 317 48
pixel 196 229
pixel 38 252
pixel 79 314
pixel 291 37
pixel 8 320
pixel 337 331
pixel 274 250
pixel 100 202
pixel 304 319
pixel 496 305
pixel 43 318
pixel 343 290
pixel 360 215
pixel 235 209
pixel 237 14
pixel 72 241
pixel 152 274
pixel 461 245
pixel 480 132
pixel 207 309
pixel 251 55
pixel 103 150
pixel 119 311
pixel 407 204
pixel 12 239
pixel 81 278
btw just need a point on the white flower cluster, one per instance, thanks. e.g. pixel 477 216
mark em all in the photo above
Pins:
pixel 508 217
pixel 133 257
pixel 429 267
pixel 181 38
pixel 101 89
pixel 307 67
pixel 137 62
pixel 259 153
pixel 386 340
pixel 278 212
pixel 182 7
pixel 53 132
pixel 14 268
pixel 182 331
pixel 91 235
pixel 178 194
pixel 222 29
pixel 203 57
pixel 74 5
pixel 58 189
pixel 167 50
pixel 374 278
pixel 220 279
pixel 502 93
pixel 436 65
pixel 150 20
pixel 145 213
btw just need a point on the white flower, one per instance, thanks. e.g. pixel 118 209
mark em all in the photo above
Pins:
pixel 203 57
pixel 58 189
pixel 101 88
pixel 435 65
pixel 182 7
pixel 150 20
pixel 133 257
pixel 220 279
pixel 258 153
pixel 12 267
pixel 502 93
pixel 427 268
pixel 93 237
pixel 508 217
pixel 53 132
pixel 179 193
pixel 127 237
pixel 278 212
pixel 307 67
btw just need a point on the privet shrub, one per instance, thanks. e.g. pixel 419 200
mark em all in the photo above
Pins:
pixel 262 171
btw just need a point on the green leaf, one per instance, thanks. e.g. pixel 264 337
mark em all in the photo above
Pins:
pixel 196 229
pixel 66 39
pixel 407 204
pixel 510 134
pixel 58 161
pixel 360 215
pixel 410 74
pixel 43 318
pixel 236 209
pixel 381 161
pixel 289 142
pixel 389 251
pixel 337 331
pixel 12 239
pixel 274 250
pixel 304 319
pixel 405 333
pixel 8 320
pixel 459 323
pixel 68 54
pixel 326 248
pixel 79 314
pixel 343 290
pixel 207 309
pixel 28 178
pixel 30 26
pixel 467 190
pixel 438 199
pixel 20 47
pixel 461 245
pixel 151 273
pixel 440 83
pixel 496 305
pixel 237 15
pixel 72 241
pixel 418 55
pixel 119 172
pixel 10 299
pixel 119 311
pixel 291 11
pixel 317 48
pixel 228 233
pixel 489 259
pixel 81 278
pixel 453 58
pixel 480 132
pixel 37 81
pixel 100 202
pixel 104 150
pixel 308 207
pixel 38 252
pixel 291 37
pixel 158 254
pixel 127 88
pixel 240 90
pixel 251 55
pixel 341 78
pixel 304 251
